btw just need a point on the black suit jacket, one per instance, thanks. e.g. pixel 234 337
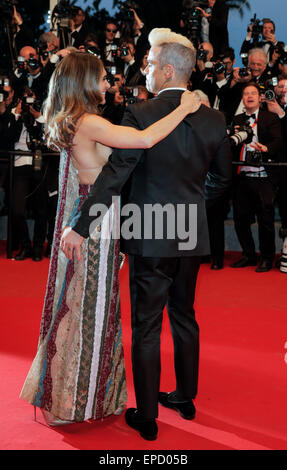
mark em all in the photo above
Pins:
pixel 79 37
pixel 172 172
pixel 218 31
pixel 270 134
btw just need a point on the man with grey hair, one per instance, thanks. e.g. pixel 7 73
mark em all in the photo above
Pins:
pixel 170 176
pixel 258 71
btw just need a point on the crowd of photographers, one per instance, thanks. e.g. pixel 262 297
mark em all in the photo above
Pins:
pixel 253 99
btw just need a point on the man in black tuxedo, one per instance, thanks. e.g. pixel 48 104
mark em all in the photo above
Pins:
pixel 268 42
pixel 79 28
pixel 170 178
pixel 255 184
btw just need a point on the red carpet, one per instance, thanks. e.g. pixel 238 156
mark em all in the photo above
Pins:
pixel 241 404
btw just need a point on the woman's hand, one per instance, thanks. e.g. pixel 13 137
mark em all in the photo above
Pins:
pixel 71 242
pixel 191 101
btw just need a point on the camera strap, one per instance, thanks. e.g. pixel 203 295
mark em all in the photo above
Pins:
pixel 242 153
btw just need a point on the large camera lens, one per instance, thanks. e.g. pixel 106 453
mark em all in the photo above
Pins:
pixel 269 95
pixel 219 68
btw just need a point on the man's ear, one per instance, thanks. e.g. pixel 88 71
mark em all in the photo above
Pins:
pixel 169 71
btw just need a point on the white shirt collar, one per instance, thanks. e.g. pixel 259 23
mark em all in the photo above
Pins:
pixel 171 88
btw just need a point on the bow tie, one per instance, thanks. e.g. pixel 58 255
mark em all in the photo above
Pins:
pixel 75 34
pixel 250 116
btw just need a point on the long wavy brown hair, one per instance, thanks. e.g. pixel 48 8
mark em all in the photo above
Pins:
pixel 73 91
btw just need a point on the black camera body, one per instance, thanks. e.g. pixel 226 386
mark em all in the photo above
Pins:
pixel 244 71
pixel 62 13
pixel 257 28
pixel 283 55
pixel 111 72
pixel 34 63
pixel 267 88
pixel 219 68
pixel 130 94
pixel 254 158
pixel 43 50
pixel 202 55
pixel 192 17
pixel 126 15
pixel 124 50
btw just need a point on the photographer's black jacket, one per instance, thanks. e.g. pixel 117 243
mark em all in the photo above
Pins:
pixel 270 134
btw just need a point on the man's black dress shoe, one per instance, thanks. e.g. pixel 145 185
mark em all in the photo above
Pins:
pixel 244 261
pixel 186 409
pixel 24 253
pixel 148 428
pixel 264 266
pixel 217 264
pixel 37 253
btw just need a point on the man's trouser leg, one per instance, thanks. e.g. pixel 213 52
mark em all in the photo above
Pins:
pixel 154 282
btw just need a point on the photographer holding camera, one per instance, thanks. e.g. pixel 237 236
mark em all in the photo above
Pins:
pixel 127 56
pixel 6 100
pixel 255 184
pixel 202 75
pixel 255 70
pixel 78 26
pixel 109 43
pixel 212 76
pixel 25 129
pixel 29 73
pixel 206 21
pixel 262 36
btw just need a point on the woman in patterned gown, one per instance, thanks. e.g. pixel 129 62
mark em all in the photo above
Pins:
pixel 78 372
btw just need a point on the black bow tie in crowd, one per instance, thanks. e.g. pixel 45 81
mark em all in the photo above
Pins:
pixel 250 116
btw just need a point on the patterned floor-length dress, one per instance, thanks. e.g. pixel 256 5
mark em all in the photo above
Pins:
pixel 78 372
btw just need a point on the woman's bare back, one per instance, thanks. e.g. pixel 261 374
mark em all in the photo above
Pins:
pixel 88 156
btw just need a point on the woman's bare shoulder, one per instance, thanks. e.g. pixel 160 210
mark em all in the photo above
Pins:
pixel 89 123
pixel 91 120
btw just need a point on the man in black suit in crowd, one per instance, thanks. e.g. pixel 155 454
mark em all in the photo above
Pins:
pixel 268 42
pixel 79 28
pixel 163 270
pixel 255 184
pixel 257 71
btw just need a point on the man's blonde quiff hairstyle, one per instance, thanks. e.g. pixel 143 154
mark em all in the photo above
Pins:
pixel 176 50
